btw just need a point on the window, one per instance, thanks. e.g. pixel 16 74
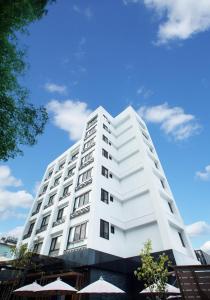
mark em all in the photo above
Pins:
pixel 71 171
pixel 91 131
pixel 86 158
pixel 31 228
pixel 104 196
pixel 60 214
pixel 84 176
pixel 156 164
pixel 37 247
pixel 181 239
pixel 55 245
pixel 74 156
pixel 111 198
pixel 50 174
pixel 105 139
pixel 45 221
pixel 61 165
pixel 112 229
pixel 104 153
pixel 77 233
pixel 151 149
pixel 56 182
pixel 162 183
pixel 170 207
pixel 145 135
pixel 110 175
pixel 38 206
pixel 66 190
pixel 104 229
pixel 105 127
pixel 44 189
pixel 104 171
pixel 81 200
pixel 91 122
pixel 50 201
pixel 89 144
pixel 110 157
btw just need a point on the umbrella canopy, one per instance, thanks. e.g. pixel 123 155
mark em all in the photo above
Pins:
pixel 28 290
pixel 175 297
pixel 101 287
pixel 169 289
pixel 57 287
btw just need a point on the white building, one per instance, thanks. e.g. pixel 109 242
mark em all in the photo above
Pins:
pixel 108 192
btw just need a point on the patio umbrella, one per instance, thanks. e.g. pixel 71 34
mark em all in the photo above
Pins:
pixel 57 287
pixel 169 289
pixel 28 290
pixel 175 297
pixel 101 287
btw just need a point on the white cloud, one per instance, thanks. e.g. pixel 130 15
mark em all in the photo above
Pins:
pixel 173 120
pixel 198 228
pixel 204 175
pixel 55 88
pixel 15 232
pixel 69 115
pixel 87 12
pixel 180 19
pixel 206 247
pixel 10 201
pixel 6 179
pixel 144 92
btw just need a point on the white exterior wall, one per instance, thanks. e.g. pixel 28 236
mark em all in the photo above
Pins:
pixel 140 209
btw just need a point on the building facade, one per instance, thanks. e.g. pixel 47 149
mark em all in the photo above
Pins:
pixel 108 192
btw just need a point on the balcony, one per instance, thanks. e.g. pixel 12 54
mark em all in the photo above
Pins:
pixel 53 186
pixel 64 196
pixel 69 176
pixel 41 229
pixel 83 184
pixel 27 235
pixel 42 193
pixel 94 131
pixel 86 163
pixel 58 222
pixel 34 213
pixel 48 205
pixel 92 123
pixel 86 149
pixel 80 211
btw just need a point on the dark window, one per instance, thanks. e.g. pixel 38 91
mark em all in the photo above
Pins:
pixel 38 206
pixel 80 232
pixel 56 182
pixel 110 175
pixel 31 228
pixel 44 189
pixel 55 244
pixel 37 247
pixel 45 221
pixel 61 166
pixel 156 164
pixel 162 183
pixel 74 156
pixel 110 143
pixel 81 200
pixel 51 199
pixel 105 139
pixel 105 127
pixel 66 190
pixel 50 174
pixel 60 214
pixel 170 207
pixel 111 198
pixel 104 196
pixel 104 171
pixel 91 122
pixel 181 239
pixel 71 171
pixel 104 229
pixel 112 229
pixel 110 157
pixel 145 135
pixel 104 153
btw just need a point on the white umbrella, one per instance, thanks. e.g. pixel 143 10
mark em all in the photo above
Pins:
pixel 57 287
pixel 174 297
pixel 101 287
pixel 28 290
pixel 169 289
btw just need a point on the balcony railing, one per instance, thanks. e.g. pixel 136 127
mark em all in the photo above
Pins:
pixel 92 123
pixel 48 205
pixel 90 135
pixel 83 184
pixel 64 196
pixel 79 212
pixel 69 176
pixel 58 222
pixel 34 213
pixel 27 235
pixel 86 149
pixel 86 163
pixel 43 228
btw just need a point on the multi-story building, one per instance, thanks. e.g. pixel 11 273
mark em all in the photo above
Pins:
pixel 108 192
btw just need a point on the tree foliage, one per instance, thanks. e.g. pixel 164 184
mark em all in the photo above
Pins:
pixel 20 121
pixel 154 272
pixel 22 257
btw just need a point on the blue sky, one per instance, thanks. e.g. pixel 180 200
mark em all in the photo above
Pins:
pixel 153 55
